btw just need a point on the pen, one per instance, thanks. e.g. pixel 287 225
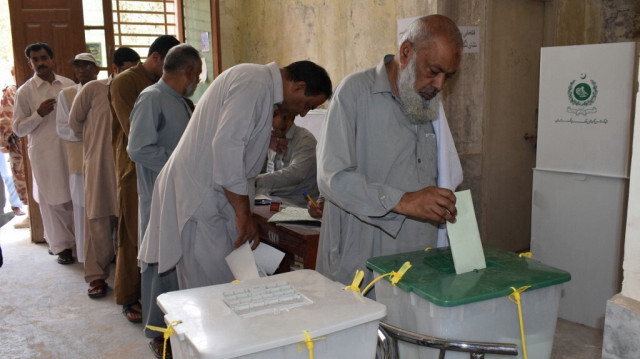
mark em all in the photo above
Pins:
pixel 310 199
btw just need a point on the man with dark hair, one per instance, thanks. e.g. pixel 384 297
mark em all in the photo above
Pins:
pixel 158 120
pixel 36 47
pixel 90 121
pixel 124 58
pixel 201 205
pixel 290 169
pixel 123 94
pixel 85 69
pixel 34 116
pixel 387 199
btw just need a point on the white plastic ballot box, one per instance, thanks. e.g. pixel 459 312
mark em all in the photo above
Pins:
pixel 216 323
pixel 433 300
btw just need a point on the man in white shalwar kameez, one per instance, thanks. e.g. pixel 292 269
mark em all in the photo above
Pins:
pixel 386 161
pixel 86 69
pixel 34 116
pixel 202 200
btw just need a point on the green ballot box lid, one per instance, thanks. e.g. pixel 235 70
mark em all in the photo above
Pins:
pixel 432 275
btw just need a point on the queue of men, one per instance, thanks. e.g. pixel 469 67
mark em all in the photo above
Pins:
pixel 131 159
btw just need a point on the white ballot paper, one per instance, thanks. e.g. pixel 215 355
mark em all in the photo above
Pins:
pixel 242 264
pixel 247 264
pixel 268 258
pixel 464 236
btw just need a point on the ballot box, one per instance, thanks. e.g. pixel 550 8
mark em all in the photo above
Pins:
pixel 431 299
pixel 284 312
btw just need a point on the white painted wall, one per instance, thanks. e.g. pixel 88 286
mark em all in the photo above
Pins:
pixel 631 264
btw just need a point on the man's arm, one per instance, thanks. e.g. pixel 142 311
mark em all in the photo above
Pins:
pixel 303 158
pixel 143 145
pixel 243 110
pixel 375 203
pixel 62 119
pixel 6 116
pixel 25 120
pixel 431 203
pixel 123 97
pixel 247 229
pixel 80 110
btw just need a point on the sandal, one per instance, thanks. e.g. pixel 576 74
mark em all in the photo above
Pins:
pixel 97 288
pixel 132 314
pixel 157 345
pixel 66 257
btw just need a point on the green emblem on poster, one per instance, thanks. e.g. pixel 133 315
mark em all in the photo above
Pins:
pixel 582 94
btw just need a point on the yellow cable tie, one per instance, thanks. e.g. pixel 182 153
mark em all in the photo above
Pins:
pixel 166 333
pixel 366 289
pixel 515 297
pixel 355 285
pixel 395 277
pixel 309 342
pixel 525 254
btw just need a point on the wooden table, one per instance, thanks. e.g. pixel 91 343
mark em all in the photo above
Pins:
pixel 298 241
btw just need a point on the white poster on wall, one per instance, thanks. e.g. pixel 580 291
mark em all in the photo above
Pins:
pixel 584 122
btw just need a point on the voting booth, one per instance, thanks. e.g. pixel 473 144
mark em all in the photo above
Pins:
pixel 433 300
pixel 273 317
pixel 582 171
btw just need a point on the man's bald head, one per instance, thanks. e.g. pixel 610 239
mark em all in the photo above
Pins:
pixel 427 28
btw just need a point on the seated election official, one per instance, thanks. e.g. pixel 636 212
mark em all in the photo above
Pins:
pixel 290 170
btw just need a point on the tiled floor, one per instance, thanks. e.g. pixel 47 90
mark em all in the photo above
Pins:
pixel 45 313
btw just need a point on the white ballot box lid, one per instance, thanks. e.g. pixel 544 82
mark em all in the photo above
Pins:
pixel 212 329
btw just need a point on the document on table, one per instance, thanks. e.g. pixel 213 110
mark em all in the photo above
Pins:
pixel 247 264
pixel 292 214
pixel 464 236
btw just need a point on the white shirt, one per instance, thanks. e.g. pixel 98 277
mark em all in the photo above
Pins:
pixel 224 146
pixel 46 151
pixel 62 117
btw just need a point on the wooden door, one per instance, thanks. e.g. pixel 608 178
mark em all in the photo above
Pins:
pixel 515 30
pixel 58 23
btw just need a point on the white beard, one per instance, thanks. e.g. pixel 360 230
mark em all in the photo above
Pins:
pixel 191 89
pixel 418 110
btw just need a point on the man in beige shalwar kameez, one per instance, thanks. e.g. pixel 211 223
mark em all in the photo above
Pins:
pixel 90 120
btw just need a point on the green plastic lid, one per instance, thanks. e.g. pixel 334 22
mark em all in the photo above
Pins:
pixel 433 277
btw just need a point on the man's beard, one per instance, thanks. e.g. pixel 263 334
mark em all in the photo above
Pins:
pixel 191 89
pixel 417 109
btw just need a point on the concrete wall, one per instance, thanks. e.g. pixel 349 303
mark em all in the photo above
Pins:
pixel 348 36
pixel 342 36
pixel 197 19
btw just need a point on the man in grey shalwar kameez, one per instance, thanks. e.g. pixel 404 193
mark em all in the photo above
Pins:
pixel 158 119
pixel 379 156
pixel 201 206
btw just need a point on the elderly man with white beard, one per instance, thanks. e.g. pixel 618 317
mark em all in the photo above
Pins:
pixel 387 164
